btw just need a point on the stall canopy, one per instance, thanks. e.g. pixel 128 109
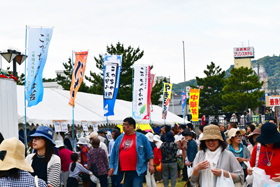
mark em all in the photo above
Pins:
pixel 88 107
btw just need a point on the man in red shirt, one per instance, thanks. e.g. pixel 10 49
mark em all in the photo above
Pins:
pixel 130 155
pixel 65 157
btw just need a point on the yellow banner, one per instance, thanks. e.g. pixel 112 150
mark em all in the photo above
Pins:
pixel 194 103
pixel 167 88
pixel 77 75
pixel 145 127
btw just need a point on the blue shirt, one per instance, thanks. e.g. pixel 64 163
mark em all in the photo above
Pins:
pixel 143 150
pixel 111 144
pixel 78 169
pixel 191 150
pixel 25 180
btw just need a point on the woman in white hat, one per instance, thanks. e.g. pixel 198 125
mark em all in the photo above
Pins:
pixel 14 169
pixel 237 148
pixel 213 158
pixel 45 163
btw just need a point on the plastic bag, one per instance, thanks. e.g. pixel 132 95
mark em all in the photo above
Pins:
pixel 222 181
pixel 94 179
pixel 263 180
pixel 190 170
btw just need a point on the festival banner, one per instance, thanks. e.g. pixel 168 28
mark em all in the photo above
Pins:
pixel 77 75
pixel 141 92
pixel 194 103
pixel 167 88
pixel 111 79
pixel 38 46
pixel 183 101
pixel 152 80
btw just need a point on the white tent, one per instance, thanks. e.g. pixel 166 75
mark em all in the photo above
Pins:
pixel 88 107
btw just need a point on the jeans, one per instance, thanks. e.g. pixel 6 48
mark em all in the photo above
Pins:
pixel 116 180
pixel 131 179
pixel 103 181
pixel 172 168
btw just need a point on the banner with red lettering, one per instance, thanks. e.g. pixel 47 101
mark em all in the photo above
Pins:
pixel 77 75
pixel 194 103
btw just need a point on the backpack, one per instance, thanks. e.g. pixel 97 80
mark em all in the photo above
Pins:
pixel 157 156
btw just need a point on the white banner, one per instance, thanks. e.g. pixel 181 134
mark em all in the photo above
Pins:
pixel 141 90
pixel 85 126
pixel 94 127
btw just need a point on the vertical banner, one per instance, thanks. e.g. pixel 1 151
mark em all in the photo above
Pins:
pixel 38 46
pixel 151 88
pixel 194 103
pixel 183 101
pixel 141 92
pixel 77 75
pixel 111 78
pixel 85 126
pixel 167 88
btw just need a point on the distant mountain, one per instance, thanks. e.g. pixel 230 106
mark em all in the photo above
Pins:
pixel 270 63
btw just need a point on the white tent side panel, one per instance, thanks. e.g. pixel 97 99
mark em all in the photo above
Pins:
pixel 8 111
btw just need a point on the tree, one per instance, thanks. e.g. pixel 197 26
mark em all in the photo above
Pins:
pixel 66 79
pixel 210 101
pixel 21 79
pixel 129 57
pixel 241 90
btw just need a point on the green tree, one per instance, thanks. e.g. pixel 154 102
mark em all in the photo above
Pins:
pixel 210 101
pixel 21 79
pixel 65 79
pixel 129 57
pixel 241 90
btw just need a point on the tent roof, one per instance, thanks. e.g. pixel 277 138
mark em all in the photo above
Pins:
pixel 88 107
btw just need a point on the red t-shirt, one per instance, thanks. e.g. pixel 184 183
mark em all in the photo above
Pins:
pixel 128 154
pixel 275 160
pixel 65 157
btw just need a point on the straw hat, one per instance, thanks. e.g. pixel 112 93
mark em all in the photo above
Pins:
pixel 92 135
pixel 12 155
pixel 211 132
pixel 232 133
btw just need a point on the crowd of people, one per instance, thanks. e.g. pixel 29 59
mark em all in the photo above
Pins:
pixel 134 157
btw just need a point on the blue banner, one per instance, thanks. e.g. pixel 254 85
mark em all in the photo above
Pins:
pixel 111 79
pixel 183 101
pixel 38 45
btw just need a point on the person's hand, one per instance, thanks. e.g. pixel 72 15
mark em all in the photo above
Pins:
pixel 202 165
pixel 276 179
pixel 179 155
pixel 152 169
pixel 239 159
pixel 188 163
pixel 48 185
pixel 110 172
pixel 217 172
pixel 250 171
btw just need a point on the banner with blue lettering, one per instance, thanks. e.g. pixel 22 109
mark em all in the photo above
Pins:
pixel 38 45
pixel 183 101
pixel 111 78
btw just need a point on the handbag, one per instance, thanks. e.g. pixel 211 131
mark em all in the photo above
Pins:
pixel 159 167
pixel 180 162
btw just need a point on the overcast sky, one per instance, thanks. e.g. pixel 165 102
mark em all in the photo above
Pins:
pixel 209 28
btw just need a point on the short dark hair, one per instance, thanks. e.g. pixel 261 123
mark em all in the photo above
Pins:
pixel 273 119
pixel 233 124
pixel 182 127
pixel 117 128
pixel 117 133
pixel 214 123
pixel 175 130
pixel 167 128
pixel 95 142
pixel 201 128
pixel 130 121
pixel 190 126
pixel 203 146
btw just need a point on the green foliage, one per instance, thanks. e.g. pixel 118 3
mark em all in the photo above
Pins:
pixel 49 80
pixel 130 56
pixel 21 79
pixel 157 92
pixel 66 79
pixel 210 101
pixel 241 90
pixel 178 87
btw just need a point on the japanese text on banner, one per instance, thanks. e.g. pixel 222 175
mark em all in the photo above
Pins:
pixel 183 101
pixel 38 46
pixel 194 103
pixel 141 92
pixel 111 79
pixel 77 75
pixel 167 88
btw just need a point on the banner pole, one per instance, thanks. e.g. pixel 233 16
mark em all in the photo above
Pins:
pixel 107 123
pixel 73 125
pixel 163 101
pixel 132 90
pixel 25 125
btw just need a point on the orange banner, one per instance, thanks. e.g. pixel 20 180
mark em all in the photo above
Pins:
pixel 194 103
pixel 77 75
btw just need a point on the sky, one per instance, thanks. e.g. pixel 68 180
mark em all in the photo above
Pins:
pixel 210 30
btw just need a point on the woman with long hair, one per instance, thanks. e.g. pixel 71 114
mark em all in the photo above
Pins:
pixel 45 163
pixel 213 158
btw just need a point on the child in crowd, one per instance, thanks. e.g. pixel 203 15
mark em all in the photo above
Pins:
pixel 74 169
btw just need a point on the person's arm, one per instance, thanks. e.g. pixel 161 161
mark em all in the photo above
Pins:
pixel 113 159
pixel 236 168
pixel 105 159
pixel 89 160
pixel 54 171
pixel 82 169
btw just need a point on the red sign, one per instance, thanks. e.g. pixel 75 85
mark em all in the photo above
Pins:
pixel 243 52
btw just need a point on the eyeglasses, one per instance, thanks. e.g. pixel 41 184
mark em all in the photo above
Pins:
pixel 238 136
pixel 37 138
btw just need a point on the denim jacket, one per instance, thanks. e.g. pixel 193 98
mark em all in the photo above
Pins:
pixel 143 149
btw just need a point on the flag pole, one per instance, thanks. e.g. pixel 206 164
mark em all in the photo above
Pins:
pixel 25 125
pixel 184 76
pixel 73 125
pixel 163 102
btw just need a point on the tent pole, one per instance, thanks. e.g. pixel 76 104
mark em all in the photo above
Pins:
pixel 107 123
pixel 25 125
